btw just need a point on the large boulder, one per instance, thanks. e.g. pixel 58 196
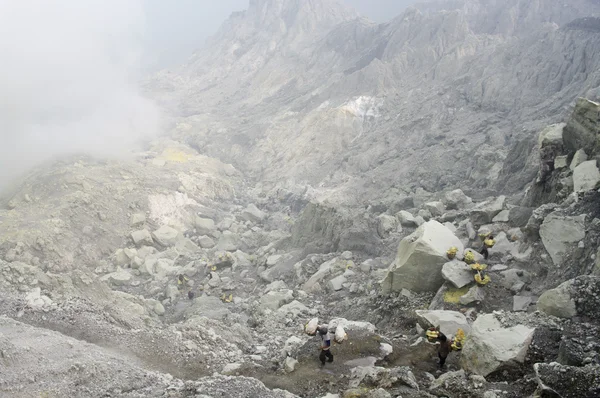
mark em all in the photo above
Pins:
pixel 275 299
pixel 448 321
pixel 491 347
pixel 458 273
pixel 228 242
pixel 485 212
pixel 586 176
pixel 559 233
pixel 558 301
pixel 165 236
pixel 421 256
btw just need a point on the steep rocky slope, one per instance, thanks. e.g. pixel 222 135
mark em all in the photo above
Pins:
pixel 428 100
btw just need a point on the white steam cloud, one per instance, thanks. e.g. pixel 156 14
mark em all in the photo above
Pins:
pixel 68 80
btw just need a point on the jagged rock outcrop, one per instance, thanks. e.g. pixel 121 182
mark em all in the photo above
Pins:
pixel 561 233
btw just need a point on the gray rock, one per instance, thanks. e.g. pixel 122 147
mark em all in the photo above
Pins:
pixel 579 157
pixel 137 219
pixel 457 199
pixel 448 321
pixel 386 224
pixel 484 213
pixel 424 214
pixel 420 259
pixel 503 216
pixel 519 216
pixel 419 220
pixel 471 233
pixel 458 273
pixel 559 233
pixel 119 278
pixel 204 226
pixel 159 309
pixel 347 255
pixel 490 346
pixel 142 237
pixel 581 131
pixel 206 242
pixel 498 268
pixel 560 162
pixel 552 135
pixel 586 176
pixel 290 364
pixel 475 294
pixel 558 301
pixel 406 219
pixel 449 381
pixel 336 283
pixel 121 259
pixel 253 214
pixel 166 236
pixel 274 300
pixel 556 380
pixel 228 241
pixel 521 303
pixel 436 209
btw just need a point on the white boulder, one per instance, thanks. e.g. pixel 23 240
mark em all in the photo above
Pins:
pixel 448 321
pixel 420 258
pixel 458 273
pixel 490 346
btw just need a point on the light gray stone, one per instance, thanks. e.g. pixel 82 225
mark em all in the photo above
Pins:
pixel 458 273
pixel 406 219
pixel 521 303
pixel 457 199
pixel 436 209
pixel 386 224
pixel 290 364
pixel 558 301
pixel 560 162
pixel 475 294
pixel 579 157
pixel 559 233
pixel 490 346
pixel 337 283
pixel 142 237
pixel 204 226
pixel 420 259
pixel 448 321
pixel 206 242
pixel 503 216
pixel 275 299
pixel 253 214
pixel 228 242
pixel 586 176
pixel 166 236
pixel 137 219
pixel 484 213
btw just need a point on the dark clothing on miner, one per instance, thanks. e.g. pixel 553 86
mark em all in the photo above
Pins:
pixel 325 346
pixel 444 349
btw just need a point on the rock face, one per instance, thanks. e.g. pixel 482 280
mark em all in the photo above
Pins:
pixel 448 321
pixel 490 347
pixel 558 301
pixel 586 176
pixel 457 199
pixel 579 157
pixel 559 233
pixel 421 256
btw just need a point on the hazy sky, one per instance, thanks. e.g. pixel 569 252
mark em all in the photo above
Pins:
pixel 176 28
pixel 70 70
